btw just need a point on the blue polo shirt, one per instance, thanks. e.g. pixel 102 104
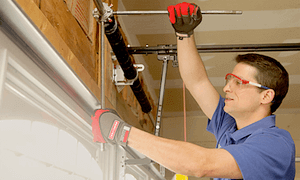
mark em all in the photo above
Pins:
pixel 261 150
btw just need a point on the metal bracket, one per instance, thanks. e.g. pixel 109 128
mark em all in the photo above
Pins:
pixel 133 162
pixel 119 78
pixel 107 13
pixel 167 58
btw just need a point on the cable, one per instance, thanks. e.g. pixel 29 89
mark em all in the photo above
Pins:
pixel 184 112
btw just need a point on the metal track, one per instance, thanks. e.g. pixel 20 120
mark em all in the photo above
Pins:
pixel 172 49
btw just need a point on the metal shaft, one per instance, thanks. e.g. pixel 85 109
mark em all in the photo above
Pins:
pixel 166 12
pixel 161 96
pixel 102 66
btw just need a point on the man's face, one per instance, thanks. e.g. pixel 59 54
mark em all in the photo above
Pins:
pixel 241 99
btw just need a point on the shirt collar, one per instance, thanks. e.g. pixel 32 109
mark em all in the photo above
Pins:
pixel 266 122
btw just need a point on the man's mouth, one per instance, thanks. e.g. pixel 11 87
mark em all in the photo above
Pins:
pixel 228 99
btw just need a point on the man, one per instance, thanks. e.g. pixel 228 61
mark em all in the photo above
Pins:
pixel 249 146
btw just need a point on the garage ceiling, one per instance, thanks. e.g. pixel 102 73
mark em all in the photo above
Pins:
pixel 262 22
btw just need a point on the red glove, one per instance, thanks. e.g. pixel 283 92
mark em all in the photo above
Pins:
pixel 185 17
pixel 107 126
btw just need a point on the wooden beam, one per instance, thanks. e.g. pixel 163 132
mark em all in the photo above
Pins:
pixel 53 26
pixel 70 31
pixel 38 18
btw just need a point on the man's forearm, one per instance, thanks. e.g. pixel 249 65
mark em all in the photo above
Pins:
pixel 191 67
pixel 185 158
pixel 178 156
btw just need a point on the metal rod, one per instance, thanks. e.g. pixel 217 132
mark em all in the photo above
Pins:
pixel 161 96
pixel 99 6
pixel 172 49
pixel 102 66
pixel 166 12
pixel 3 68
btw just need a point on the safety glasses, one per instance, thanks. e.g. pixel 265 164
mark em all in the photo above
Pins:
pixel 239 82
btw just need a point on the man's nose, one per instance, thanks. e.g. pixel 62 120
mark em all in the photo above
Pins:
pixel 227 87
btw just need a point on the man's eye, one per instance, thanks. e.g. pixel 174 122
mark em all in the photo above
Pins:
pixel 238 82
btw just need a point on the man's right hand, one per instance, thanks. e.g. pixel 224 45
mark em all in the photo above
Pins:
pixel 107 126
pixel 185 17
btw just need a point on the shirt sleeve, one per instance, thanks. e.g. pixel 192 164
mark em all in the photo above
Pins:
pixel 264 156
pixel 220 121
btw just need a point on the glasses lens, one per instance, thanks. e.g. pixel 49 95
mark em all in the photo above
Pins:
pixel 233 81
pixel 227 78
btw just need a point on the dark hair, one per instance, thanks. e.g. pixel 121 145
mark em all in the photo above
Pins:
pixel 270 73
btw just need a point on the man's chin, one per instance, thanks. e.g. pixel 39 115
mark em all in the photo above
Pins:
pixel 226 109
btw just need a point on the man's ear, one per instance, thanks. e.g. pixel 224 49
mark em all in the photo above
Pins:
pixel 267 96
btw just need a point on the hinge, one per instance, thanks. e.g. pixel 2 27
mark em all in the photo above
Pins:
pixel 169 58
pixel 119 78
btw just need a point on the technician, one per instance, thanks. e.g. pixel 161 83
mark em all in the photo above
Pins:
pixel 249 145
